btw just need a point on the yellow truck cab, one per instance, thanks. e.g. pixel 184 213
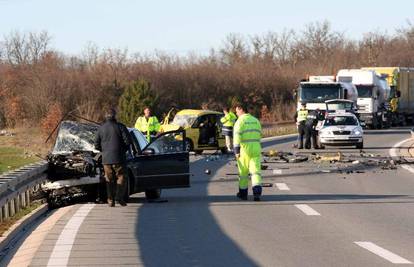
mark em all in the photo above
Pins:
pixel 202 128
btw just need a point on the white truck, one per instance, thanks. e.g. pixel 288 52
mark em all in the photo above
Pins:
pixel 373 93
pixel 318 89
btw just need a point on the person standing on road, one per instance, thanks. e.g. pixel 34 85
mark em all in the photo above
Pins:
pixel 300 118
pixel 310 129
pixel 228 122
pixel 247 148
pixel 113 140
pixel 147 124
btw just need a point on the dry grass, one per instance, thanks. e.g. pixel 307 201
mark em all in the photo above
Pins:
pixel 31 140
pixel 23 147
pixel 279 129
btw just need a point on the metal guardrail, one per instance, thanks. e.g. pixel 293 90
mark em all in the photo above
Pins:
pixel 16 187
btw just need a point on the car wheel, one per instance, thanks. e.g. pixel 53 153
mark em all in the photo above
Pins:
pixel 360 145
pixel 224 150
pixel 152 194
pixel 188 145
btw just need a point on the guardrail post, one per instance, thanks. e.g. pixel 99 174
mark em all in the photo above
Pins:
pixel 6 211
pixel 12 207
pixel 23 200
pixel 17 203
pixel 27 193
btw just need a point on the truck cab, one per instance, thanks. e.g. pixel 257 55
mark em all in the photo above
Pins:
pixel 318 89
pixel 373 93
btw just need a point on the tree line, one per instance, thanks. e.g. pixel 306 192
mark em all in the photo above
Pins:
pixel 38 83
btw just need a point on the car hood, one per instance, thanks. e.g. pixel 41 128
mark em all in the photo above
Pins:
pixel 341 128
pixel 169 127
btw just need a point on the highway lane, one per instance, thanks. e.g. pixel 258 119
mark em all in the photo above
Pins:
pixel 315 220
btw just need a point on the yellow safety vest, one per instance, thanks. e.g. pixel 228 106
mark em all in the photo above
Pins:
pixel 394 104
pixel 229 119
pixel 302 115
pixel 247 135
pixel 150 125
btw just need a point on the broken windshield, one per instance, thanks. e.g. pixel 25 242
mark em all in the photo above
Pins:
pixel 75 136
pixel 184 120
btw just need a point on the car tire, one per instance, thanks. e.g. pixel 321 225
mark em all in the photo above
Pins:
pixel 198 152
pixel 152 194
pixel 188 145
pixel 224 150
pixel 360 145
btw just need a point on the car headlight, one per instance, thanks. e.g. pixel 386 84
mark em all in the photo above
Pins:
pixel 326 132
pixel 356 131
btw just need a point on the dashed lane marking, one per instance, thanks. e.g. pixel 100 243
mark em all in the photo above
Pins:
pixel 383 253
pixel 282 187
pixel 307 210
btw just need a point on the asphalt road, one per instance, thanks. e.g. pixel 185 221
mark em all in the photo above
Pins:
pixel 314 214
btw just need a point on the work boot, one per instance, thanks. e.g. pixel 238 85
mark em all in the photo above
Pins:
pixel 120 195
pixel 257 192
pixel 110 195
pixel 242 194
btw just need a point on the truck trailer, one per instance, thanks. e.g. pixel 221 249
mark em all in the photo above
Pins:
pixel 401 81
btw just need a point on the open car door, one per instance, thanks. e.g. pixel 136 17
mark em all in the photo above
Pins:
pixel 163 163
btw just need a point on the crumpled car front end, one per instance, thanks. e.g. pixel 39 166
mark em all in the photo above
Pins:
pixel 74 165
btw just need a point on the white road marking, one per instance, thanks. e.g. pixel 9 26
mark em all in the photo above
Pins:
pixel 277 171
pixel 61 251
pixel 383 253
pixel 307 210
pixel 393 153
pixel 282 187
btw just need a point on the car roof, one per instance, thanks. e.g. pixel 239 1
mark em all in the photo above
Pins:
pixel 197 112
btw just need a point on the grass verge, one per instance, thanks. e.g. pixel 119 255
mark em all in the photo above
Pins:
pixel 278 130
pixel 14 157
pixel 5 225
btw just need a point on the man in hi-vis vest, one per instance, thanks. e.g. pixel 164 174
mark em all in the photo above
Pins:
pixel 300 118
pixel 248 151
pixel 147 124
pixel 228 122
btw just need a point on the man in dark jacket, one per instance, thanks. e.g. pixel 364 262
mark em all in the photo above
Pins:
pixel 311 133
pixel 113 140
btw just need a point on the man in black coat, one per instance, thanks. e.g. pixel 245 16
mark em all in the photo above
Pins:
pixel 113 140
pixel 311 133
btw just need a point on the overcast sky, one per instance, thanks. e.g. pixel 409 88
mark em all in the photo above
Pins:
pixel 181 26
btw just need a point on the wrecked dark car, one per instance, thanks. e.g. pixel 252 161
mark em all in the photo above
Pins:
pixel 76 173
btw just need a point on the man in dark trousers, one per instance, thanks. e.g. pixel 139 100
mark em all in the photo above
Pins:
pixel 310 128
pixel 113 140
pixel 300 118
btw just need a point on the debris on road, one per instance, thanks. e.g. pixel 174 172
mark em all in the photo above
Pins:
pixel 330 158
pixel 267 184
pixel 207 171
pixel 264 167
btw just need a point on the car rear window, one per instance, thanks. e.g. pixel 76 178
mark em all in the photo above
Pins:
pixel 340 120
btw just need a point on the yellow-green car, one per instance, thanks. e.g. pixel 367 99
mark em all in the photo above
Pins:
pixel 202 128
